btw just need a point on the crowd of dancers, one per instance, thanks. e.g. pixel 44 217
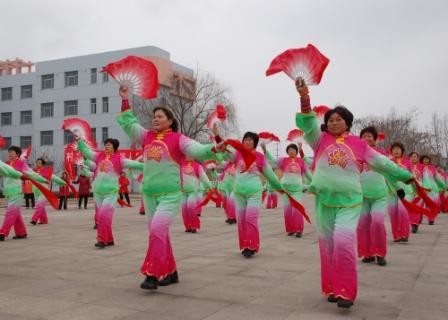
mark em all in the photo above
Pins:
pixel 355 184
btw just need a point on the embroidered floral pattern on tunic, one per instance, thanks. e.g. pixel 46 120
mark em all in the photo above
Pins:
pixel 338 157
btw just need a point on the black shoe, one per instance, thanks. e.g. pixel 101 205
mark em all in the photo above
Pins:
pixel 171 278
pixel 193 231
pixel 290 234
pixel 233 220
pixel 431 223
pixel 346 304
pixel 332 298
pixel 299 235
pixel 404 239
pixel 368 259
pixel 229 221
pixel 95 227
pixel 397 240
pixel 20 237
pixel 414 228
pixel 100 245
pixel 381 261
pixel 188 230
pixel 150 283
pixel 2 237
pixel 33 222
pixel 247 253
pixel 142 213
pixel 110 243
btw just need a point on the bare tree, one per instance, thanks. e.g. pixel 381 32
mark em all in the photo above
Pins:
pixel 399 127
pixel 192 113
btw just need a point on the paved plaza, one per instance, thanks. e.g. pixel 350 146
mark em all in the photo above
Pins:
pixel 57 273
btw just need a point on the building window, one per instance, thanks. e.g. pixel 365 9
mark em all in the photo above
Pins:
pixel 70 108
pixel 93 131
pixel 93 75
pixel 105 77
pixel 6 118
pixel 71 78
pixel 47 81
pixel 46 110
pixel 8 143
pixel 25 141
pixel 26 117
pixel 26 92
pixel 92 105
pixel 105 104
pixel 68 137
pixel 105 133
pixel 46 138
pixel 6 94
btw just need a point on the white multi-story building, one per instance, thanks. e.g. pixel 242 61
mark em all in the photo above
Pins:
pixel 34 104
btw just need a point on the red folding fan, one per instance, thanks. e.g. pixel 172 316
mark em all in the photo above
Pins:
pixel 139 75
pixel 267 137
pixel 80 128
pixel 218 115
pixel 26 153
pixel 2 142
pixel 321 111
pixel 295 135
pixel 307 63
pixel 381 136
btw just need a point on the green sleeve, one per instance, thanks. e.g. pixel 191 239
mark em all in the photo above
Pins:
pixel 271 177
pixel 132 164
pixel 307 122
pixel 57 180
pixel 200 152
pixel 441 184
pixel 272 162
pixel 204 178
pixel 391 171
pixel 130 125
pixel 34 175
pixel 8 171
pixel 86 151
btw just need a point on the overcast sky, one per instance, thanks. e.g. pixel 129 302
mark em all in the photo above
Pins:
pixel 382 53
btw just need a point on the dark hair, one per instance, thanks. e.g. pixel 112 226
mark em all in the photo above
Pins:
pixel 370 129
pixel 423 157
pixel 412 153
pixel 16 149
pixel 253 136
pixel 398 145
pixel 343 112
pixel 169 114
pixel 292 146
pixel 41 160
pixel 115 143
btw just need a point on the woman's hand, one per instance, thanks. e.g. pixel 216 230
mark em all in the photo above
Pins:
pixel 301 87
pixel 123 91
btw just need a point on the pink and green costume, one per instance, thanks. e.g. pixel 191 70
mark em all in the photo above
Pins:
pixel 398 214
pixel 162 185
pixel 13 193
pixel 272 197
pixel 417 171
pixel 105 186
pixel 193 175
pixel 339 199
pixel 40 212
pixel 432 180
pixel 228 181
pixel 247 192
pixel 372 239
pixel 293 172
